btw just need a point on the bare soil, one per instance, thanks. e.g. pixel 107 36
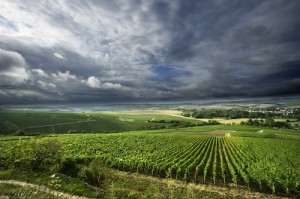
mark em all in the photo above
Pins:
pixel 155 112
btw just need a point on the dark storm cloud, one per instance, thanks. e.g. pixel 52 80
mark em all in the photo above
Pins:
pixel 284 71
pixel 149 50
pixel 13 68
pixel 9 60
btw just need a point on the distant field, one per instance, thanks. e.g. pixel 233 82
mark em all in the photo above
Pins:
pixel 47 121
pixel 226 121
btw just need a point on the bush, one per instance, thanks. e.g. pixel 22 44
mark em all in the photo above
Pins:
pixel 213 122
pixel 94 173
pixel 186 114
pixel 69 167
pixel 41 154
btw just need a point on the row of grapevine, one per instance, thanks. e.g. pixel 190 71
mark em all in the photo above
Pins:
pixel 237 163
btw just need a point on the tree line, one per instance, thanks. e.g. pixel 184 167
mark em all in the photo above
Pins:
pixel 268 122
pixel 239 113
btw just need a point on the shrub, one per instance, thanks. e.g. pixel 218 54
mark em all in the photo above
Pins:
pixel 94 173
pixel 69 167
pixel 41 154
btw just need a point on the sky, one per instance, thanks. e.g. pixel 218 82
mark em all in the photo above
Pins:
pixel 65 51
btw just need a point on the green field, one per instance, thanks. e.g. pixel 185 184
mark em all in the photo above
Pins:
pixel 229 156
pixel 48 121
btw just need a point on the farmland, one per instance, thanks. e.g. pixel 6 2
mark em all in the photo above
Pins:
pixel 49 121
pixel 242 157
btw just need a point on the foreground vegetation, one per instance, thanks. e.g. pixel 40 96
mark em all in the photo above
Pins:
pixel 117 184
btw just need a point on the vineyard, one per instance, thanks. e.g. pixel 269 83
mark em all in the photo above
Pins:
pixel 264 164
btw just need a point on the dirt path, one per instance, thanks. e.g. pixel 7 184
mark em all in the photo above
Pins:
pixel 59 124
pixel 40 188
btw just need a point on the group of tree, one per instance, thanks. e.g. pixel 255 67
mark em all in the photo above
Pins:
pixel 268 122
pixel 181 124
pixel 213 113
pixel 238 113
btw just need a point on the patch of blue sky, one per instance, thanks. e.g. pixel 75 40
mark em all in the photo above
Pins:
pixel 170 71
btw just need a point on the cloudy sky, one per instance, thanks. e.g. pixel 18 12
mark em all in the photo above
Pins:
pixel 147 50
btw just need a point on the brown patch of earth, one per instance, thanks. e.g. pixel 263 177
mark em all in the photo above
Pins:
pixel 154 112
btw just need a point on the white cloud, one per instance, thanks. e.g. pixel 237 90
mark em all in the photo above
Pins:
pixel 109 85
pixel 31 25
pixel 39 72
pixel 12 68
pixel 24 93
pixel 99 36
pixel 93 82
pixel 59 56
pixel 46 86
pixel 61 76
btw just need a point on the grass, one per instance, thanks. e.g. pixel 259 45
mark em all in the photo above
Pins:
pixel 131 185
pixel 119 184
pixel 68 184
pixel 116 185
pixel 11 120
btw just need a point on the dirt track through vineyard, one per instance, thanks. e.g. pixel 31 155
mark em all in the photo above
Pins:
pixel 41 189
pixel 59 124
